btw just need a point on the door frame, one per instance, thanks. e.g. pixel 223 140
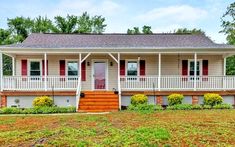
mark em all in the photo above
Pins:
pixel 92 74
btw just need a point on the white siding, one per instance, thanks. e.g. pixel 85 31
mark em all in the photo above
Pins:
pixel 171 65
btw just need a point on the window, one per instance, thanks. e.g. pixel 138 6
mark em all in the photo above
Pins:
pixel 35 68
pixel 132 68
pixel 191 69
pixel 72 68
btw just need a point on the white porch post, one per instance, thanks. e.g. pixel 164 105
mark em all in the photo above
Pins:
pixel 119 83
pixel 80 80
pixel 159 71
pixel 1 73
pixel 225 65
pixel 13 66
pixel 45 71
pixel 195 72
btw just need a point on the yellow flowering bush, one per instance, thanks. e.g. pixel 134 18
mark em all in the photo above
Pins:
pixel 212 99
pixel 175 99
pixel 139 99
pixel 43 101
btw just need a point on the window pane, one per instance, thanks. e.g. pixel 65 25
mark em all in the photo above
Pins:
pixel 35 73
pixel 132 68
pixel 191 72
pixel 72 73
pixel 35 65
pixel 72 65
pixel 72 68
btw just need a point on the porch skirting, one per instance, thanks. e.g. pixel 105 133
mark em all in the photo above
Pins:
pixel 68 98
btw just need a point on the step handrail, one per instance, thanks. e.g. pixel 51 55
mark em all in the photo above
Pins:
pixel 78 92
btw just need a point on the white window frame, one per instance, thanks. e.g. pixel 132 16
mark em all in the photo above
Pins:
pixel 138 70
pixel 29 65
pixel 66 66
pixel 200 68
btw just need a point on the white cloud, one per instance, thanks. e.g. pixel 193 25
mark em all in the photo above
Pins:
pixel 178 13
pixel 105 7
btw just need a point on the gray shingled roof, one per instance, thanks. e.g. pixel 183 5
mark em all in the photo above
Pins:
pixel 37 40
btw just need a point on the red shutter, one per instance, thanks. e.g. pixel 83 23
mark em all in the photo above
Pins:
pixel 62 67
pixel 24 67
pixel 142 67
pixel 83 71
pixel 205 70
pixel 122 68
pixel 43 67
pixel 185 69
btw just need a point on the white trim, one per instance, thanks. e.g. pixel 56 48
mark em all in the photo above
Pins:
pixel 159 71
pixel 113 57
pixel 45 71
pixel 34 60
pixel 225 62
pixel 200 66
pixel 119 83
pixel 85 57
pixel 106 74
pixel 66 65
pixel 13 66
pixel 1 72
pixel 126 62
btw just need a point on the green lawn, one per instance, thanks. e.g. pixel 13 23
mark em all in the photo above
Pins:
pixel 169 128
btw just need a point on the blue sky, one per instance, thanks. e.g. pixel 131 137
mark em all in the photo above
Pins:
pixel 162 15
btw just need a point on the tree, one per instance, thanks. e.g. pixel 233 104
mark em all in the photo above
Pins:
pixel 65 24
pixel 136 30
pixel 147 30
pixel 20 26
pixel 98 26
pixel 189 31
pixel 228 24
pixel 42 25
pixel 84 23
pixel 87 24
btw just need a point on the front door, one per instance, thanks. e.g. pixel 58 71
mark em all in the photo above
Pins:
pixel 99 75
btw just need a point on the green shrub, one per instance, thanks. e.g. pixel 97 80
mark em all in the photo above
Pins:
pixel 175 99
pixel 43 101
pixel 139 99
pixel 38 110
pixel 212 99
pixel 9 110
pixel 197 107
pixel 145 108
pixel 180 107
pixel 207 106
pixel 222 106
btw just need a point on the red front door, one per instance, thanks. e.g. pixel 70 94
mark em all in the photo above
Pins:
pixel 99 75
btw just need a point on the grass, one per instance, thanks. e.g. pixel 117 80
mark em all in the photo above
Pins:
pixel 163 128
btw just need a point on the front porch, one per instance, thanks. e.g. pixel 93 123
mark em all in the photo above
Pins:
pixel 125 73
pixel 127 83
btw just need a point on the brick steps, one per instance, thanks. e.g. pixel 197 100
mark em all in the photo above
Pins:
pixel 98 101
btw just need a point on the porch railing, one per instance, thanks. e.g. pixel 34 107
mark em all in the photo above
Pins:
pixel 177 82
pixel 26 83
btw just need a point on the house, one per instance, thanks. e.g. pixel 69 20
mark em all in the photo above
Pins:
pixel 99 72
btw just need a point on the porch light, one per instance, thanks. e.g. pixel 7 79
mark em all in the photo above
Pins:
pixel 111 63
pixel 88 63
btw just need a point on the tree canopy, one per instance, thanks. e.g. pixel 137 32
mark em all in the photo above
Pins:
pixel 228 25
pixel 136 30
pixel 190 31
pixel 20 27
